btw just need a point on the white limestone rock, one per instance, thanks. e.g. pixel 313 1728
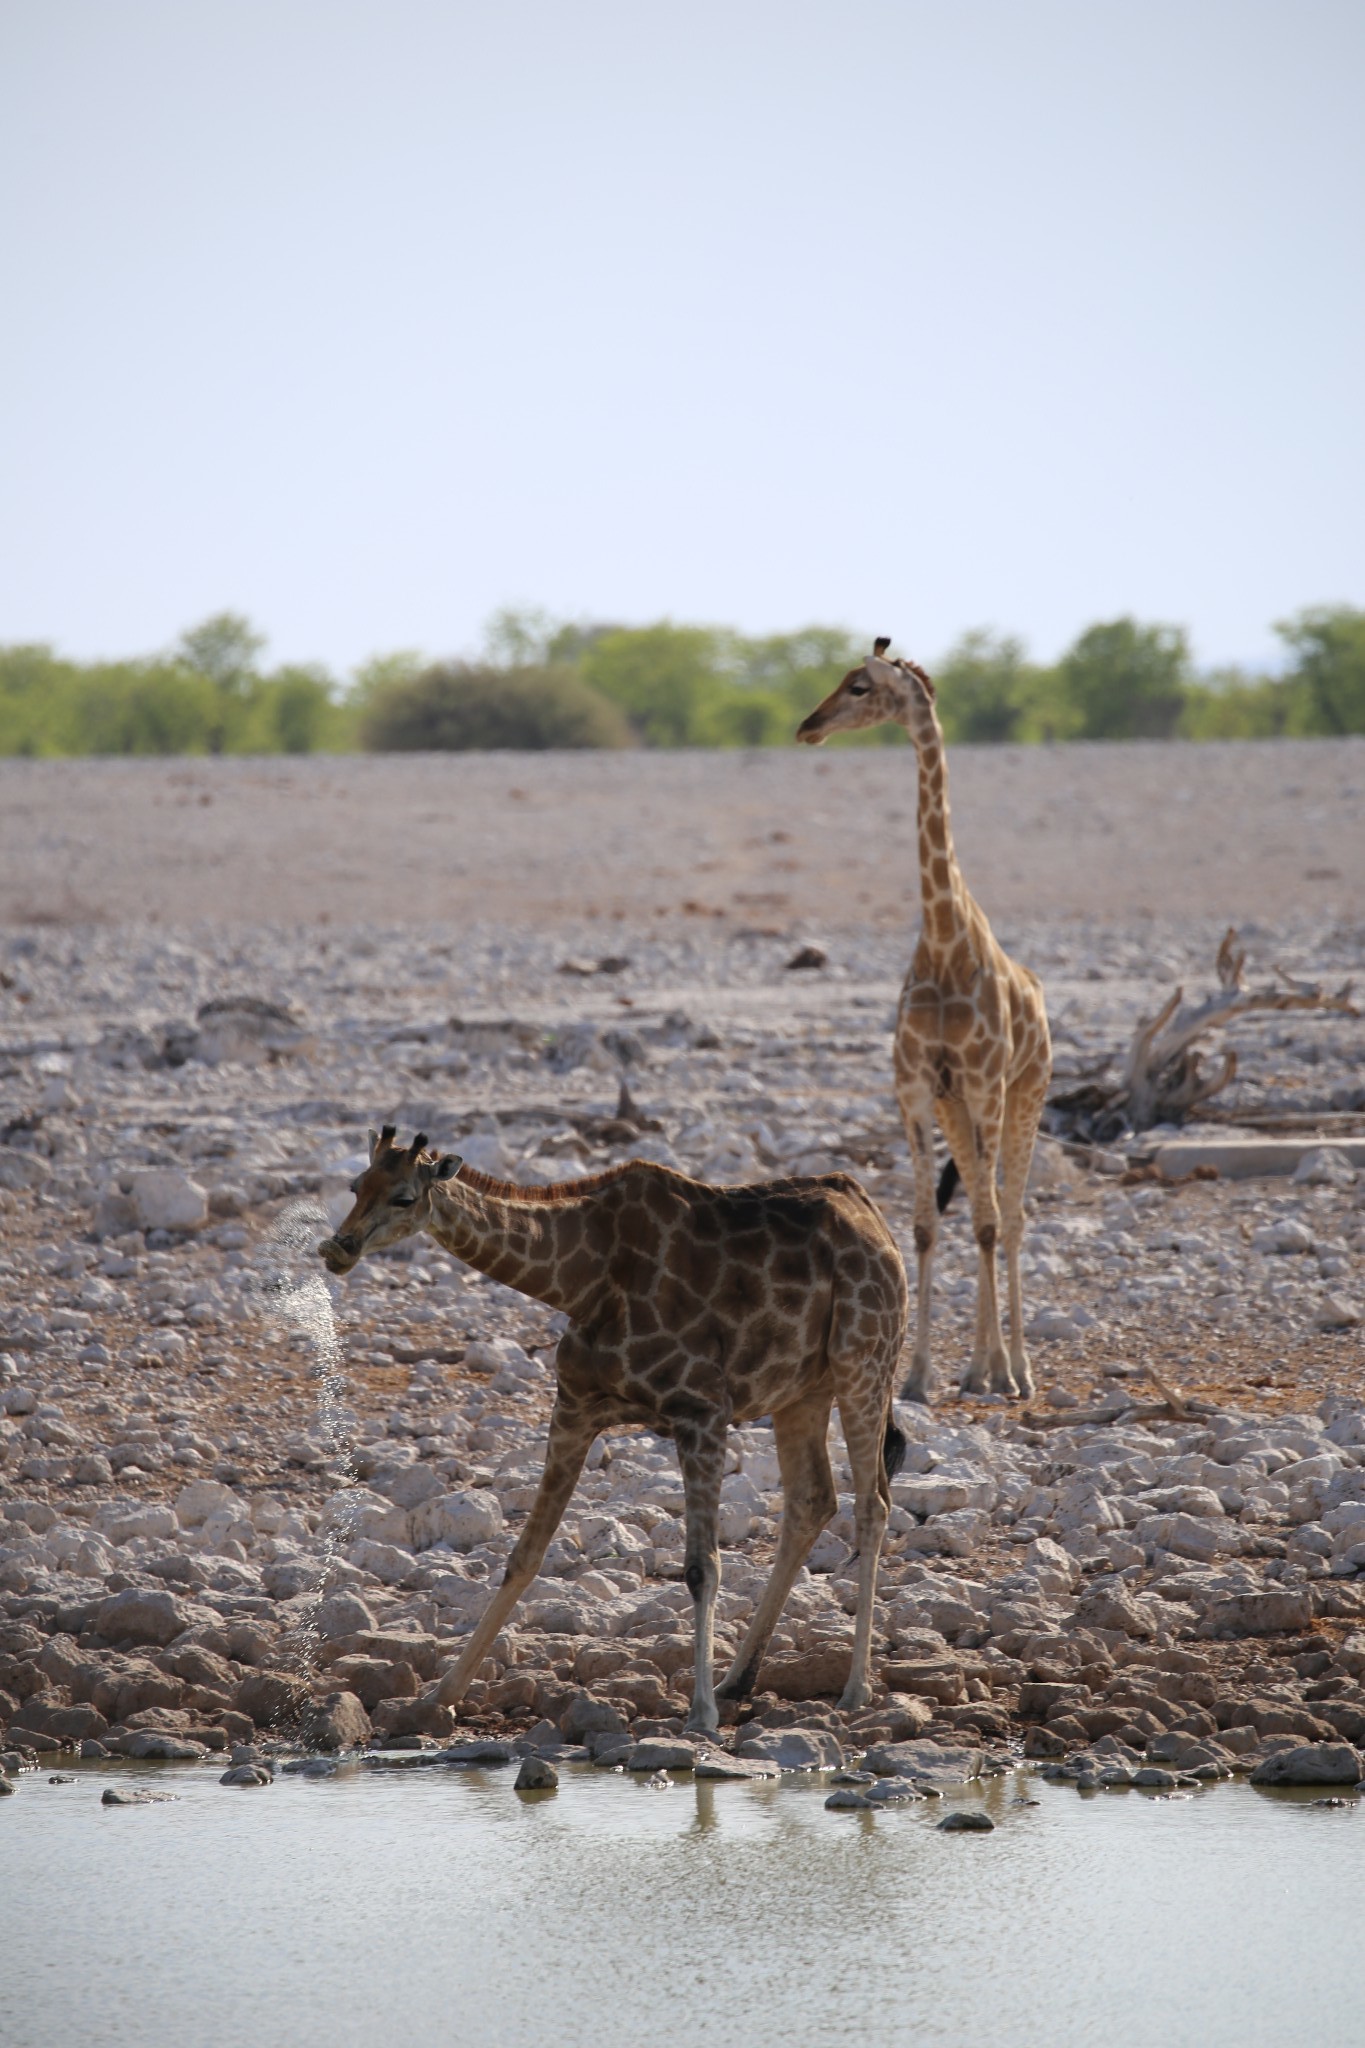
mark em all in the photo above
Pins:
pixel 165 1199
pixel 460 1520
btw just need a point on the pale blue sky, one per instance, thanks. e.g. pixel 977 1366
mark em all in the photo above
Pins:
pixel 367 318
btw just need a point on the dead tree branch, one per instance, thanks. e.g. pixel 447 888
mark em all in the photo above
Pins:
pixel 1163 1078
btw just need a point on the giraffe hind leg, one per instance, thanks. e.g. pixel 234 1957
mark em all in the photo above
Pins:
pixel 973 1129
pixel 864 1403
pixel 800 1435
pixel 1023 1114
pixel 916 1107
pixel 957 1129
pixel 701 1459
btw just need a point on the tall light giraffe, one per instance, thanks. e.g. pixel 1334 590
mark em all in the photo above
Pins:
pixel 971 1047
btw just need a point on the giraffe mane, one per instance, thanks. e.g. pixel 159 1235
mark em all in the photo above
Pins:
pixel 548 1191
pixel 592 1183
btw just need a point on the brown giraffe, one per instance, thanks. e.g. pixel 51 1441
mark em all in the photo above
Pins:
pixel 971 1046
pixel 690 1307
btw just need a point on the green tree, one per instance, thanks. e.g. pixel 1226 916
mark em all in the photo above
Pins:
pixel 381 672
pixel 518 636
pixel 301 715
pixel 1329 642
pixel 984 688
pixel 225 649
pixel 1126 681
pixel 35 701
pixel 457 707
pixel 663 677
pixel 570 642
pixel 152 707
pixel 1229 704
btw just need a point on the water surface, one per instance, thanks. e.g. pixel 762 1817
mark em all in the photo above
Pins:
pixel 439 1907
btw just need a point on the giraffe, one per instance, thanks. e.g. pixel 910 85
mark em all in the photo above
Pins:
pixel 971 1040
pixel 689 1307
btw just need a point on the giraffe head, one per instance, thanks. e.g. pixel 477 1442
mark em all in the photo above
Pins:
pixel 880 692
pixel 392 1199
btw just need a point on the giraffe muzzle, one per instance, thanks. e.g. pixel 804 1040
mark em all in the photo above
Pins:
pixel 338 1254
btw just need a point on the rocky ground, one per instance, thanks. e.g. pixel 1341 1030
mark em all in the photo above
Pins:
pixel 207 1543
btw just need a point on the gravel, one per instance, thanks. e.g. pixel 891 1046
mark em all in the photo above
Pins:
pixel 228 1487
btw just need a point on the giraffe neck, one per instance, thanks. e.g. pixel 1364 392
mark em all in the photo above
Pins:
pixel 524 1244
pixel 942 890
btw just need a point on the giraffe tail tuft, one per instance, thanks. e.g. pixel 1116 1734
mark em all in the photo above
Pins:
pixel 893 1451
pixel 947 1184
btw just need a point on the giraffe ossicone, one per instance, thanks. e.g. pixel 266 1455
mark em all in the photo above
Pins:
pixel 689 1307
pixel 972 1049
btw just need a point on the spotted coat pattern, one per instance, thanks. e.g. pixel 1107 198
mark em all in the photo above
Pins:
pixel 690 1307
pixel 972 1050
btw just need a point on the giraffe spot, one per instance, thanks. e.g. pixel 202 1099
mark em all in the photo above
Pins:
pixel 638 1231
pixel 644 1317
pixel 650 1355
pixel 738 1293
pixel 793 1267
pixel 577 1273
pixel 677 1303
pixel 698 1265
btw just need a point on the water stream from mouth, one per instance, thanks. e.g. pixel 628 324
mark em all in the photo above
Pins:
pixel 292 1290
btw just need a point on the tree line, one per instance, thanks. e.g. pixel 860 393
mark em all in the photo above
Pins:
pixel 541 683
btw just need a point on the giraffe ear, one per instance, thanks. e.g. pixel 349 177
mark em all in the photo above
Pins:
pixel 374 1144
pixel 444 1168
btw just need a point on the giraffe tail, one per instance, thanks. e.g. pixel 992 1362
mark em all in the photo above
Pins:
pixel 893 1451
pixel 947 1183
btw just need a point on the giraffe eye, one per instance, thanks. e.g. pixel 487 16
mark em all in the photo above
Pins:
pixel 404 1200
pixel 857 689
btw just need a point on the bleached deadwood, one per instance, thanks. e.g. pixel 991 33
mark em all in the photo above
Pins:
pixel 1163 1078
pixel 1120 1407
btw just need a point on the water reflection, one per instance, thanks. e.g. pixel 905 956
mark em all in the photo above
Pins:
pixel 433 1906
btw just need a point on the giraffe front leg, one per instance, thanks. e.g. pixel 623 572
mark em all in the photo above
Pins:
pixel 701 1458
pixel 571 1436
pixel 916 1108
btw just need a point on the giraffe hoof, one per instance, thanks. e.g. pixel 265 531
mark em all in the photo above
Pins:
pixel 912 1391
